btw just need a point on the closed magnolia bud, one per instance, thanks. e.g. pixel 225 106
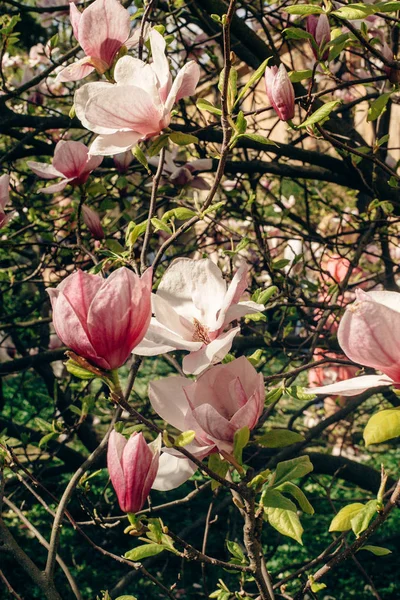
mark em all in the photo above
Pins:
pixel 92 222
pixel 319 28
pixel 133 466
pixel 102 320
pixel 280 92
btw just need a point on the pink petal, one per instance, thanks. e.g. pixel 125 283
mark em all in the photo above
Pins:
pixel 184 84
pixel 4 193
pixel 172 472
pixel 216 427
pixel 103 29
pixel 76 71
pixel 115 109
pixel 351 387
pixel 116 445
pixel 169 401
pixel 119 316
pixel 56 187
pixel 234 292
pixel 237 311
pixel 159 340
pixel 137 461
pixel 75 17
pixel 195 362
pixel 70 158
pixel 160 63
pixel 115 143
pixel 169 318
pixel 44 170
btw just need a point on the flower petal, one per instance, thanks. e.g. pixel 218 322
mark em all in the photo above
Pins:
pixel 115 143
pixel 184 84
pixel 70 158
pixel 81 98
pixel 195 362
pixel 4 193
pixel 168 399
pixel 103 28
pixel 78 70
pixel 172 472
pixel 44 170
pixel 351 387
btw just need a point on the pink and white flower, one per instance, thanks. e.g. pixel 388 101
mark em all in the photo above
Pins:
pixel 223 400
pixel 101 30
pixel 71 163
pixel 193 310
pixel 138 106
pixel 280 92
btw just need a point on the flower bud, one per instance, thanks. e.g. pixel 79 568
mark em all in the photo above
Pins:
pixel 92 222
pixel 280 92
pixel 319 28
pixel 133 466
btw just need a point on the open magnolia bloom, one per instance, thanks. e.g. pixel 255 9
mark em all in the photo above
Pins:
pixel 223 400
pixel 368 334
pixel 138 106
pixel 71 163
pixel 101 30
pixel 193 309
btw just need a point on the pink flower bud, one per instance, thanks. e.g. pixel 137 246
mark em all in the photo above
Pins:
pixel 92 222
pixel 102 320
pixel 369 332
pixel 320 29
pixel 133 466
pixel 123 160
pixel 280 92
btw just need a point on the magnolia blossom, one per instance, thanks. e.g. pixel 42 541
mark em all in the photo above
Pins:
pixel 71 162
pixel 319 28
pixel 186 173
pixel 132 465
pixel 369 335
pixel 101 30
pixel 223 400
pixel 139 105
pixel 4 199
pixel 280 92
pixel 102 320
pixel 92 222
pixel 193 308
pixel 123 160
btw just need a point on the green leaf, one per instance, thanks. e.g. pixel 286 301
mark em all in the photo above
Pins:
pixel 253 79
pixel 298 495
pixel 352 12
pixel 273 395
pixel 295 33
pixel 279 438
pixel 387 6
pixel 281 263
pixel 181 213
pixel 185 438
pixel 377 550
pixel 297 392
pixel 213 207
pixel 321 114
pixel 304 9
pixel 203 104
pixel 257 138
pixel 235 550
pixel 383 426
pixel 317 587
pixel 77 370
pixel 183 139
pixel 48 438
pixel 240 441
pixel 134 231
pixel 292 469
pixel 378 106
pixel 158 224
pixel 274 499
pixel 115 246
pixel 140 156
pixel 241 123
pixel 219 466
pixel 342 521
pixel 158 144
pixel 296 76
pixel 126 598
pixel 286 522
pixel 362 519
pixel 262 296
pixel 144 551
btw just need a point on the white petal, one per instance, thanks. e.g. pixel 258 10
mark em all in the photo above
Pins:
pixel 172 472
pixel 351 387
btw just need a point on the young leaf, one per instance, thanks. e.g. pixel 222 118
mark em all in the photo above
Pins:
pixel 279 438
pixel 378 106
pixel 360 522
pixel 286 522
pixel 203 104
pixel 321 114
pixel 295 33
pixel 352 12
pixel 144 551
pixel 183 139
pixel 296 76
pixel 253 79
pixel 218 466
pixel 383 426
pixel 158 224
pixel 185 438
pixel 274 499
pixel 241 439
pixel 342 521
pixel 235 550
pixel 158 144
pixel 304 9
pixel 292 469
pixel 298 495
pixel 377 550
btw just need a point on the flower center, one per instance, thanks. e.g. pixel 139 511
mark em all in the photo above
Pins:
pixel 200 333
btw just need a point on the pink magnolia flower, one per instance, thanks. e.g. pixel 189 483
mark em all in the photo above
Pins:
pixel 193 308
pixel 223 400
pixel 280 92
pixel 4 199
pixel 71 162
pixel 132 465
pixel 102 320
pixel 92 222
pixel 123 160
pixel 139 105
pixel 101 30
pixel 319 28
pixel 368 334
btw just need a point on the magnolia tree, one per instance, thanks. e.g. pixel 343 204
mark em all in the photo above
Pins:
pixel 199 338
